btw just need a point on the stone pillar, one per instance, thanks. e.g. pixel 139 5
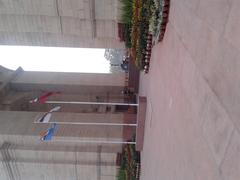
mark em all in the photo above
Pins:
pixel 18 128
pixel 81 83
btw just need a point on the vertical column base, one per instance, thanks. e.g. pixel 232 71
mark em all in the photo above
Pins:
pixel 141 117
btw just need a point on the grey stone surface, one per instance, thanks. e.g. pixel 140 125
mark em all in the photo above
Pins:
pixel 230 168
pixel 232 26
pixel 193 88
pixel 214 12
pixel 217 129
pixel 28 7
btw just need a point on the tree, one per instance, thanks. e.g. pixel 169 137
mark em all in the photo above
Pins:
pixel 115 56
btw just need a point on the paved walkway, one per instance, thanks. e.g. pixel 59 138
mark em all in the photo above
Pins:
pixel 192 129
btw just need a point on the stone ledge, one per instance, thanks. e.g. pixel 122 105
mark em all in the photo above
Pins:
pixel 141 117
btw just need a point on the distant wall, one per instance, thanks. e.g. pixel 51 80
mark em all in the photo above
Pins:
pixel 63 23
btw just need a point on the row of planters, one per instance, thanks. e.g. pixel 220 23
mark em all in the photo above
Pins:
pixel 130 164
pixel 159 20
pixel 142 19
pixel 136 16
pixel 141 43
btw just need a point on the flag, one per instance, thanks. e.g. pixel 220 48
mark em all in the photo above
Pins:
pixel 46 117
pixel 43 97
pixel 47 135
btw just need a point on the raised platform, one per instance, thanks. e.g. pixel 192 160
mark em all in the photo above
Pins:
pixel 134 74
pixel 141 117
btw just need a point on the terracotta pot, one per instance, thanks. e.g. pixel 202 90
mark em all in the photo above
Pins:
pixel 167 2
pixel 166 9
pixel 163 28
pixel 165 15
pixel 164 21
pixel 161 38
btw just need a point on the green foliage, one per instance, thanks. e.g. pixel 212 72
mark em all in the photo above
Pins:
pixel 121 174
pixel 130 158
pixel 127 11
pixel 137 16
pixel 143 30
pixel 127 35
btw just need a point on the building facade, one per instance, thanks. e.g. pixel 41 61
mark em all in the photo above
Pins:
pixel 60 23
pixel 23 156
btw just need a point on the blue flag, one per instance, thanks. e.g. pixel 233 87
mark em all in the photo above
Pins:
pixel 47 136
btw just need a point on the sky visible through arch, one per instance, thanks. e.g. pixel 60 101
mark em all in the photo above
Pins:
pixel 54 59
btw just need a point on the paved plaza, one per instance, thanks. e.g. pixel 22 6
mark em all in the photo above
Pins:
pixel 192 129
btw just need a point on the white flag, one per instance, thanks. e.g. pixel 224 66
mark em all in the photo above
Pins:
pixel 55 109
pixel 46 117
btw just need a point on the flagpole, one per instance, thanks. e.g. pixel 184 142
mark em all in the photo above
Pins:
pixel 86 123
pixel 91 103
pixel 91 141
pixel 49 134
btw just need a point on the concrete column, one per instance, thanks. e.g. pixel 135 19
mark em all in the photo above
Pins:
pixel 21 123
pixel 82 83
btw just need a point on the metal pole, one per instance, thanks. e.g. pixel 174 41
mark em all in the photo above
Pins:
pixel 91 103
pixel 87 123
pixel 92 141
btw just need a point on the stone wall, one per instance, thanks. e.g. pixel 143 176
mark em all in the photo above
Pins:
pixel 63 23
pixel 24 156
